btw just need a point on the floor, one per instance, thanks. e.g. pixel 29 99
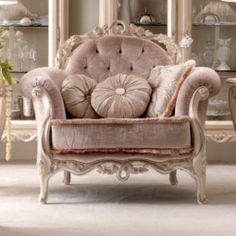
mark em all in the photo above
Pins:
pixel 100 205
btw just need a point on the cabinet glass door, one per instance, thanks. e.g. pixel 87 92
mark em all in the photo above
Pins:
pixel 150 14
pixel 26 36
pixel 26 45
pixel 30 27
pixel 214 35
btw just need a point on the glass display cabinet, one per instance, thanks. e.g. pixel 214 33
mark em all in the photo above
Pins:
pixel 30 27
pixel 214 43
pixel 210 24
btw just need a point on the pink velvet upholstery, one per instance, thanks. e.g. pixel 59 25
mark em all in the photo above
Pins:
pixel 201 76
pixel 107 56
pixel 120 134
pixel 103 57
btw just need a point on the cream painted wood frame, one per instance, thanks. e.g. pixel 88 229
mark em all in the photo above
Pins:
pixel 107 11
pixel 184 27
pixel 49 166
pixel 58 27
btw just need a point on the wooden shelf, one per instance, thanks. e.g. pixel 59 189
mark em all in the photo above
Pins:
pixel 149 24
pixel 24 26
pixel 214 24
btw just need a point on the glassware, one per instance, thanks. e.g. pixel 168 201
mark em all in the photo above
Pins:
pixel 208 53
pixel 33 58
pixel 223 53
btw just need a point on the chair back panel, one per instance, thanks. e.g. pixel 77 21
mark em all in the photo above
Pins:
pixel 109 55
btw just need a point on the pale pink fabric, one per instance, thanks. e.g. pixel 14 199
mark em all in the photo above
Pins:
pixel 201 76
pixel 146 133
pixel 76 91
pixel 167 81
pixel 121 96
pixel 91 157
pixel 101 58
pixel 106 56
pixel 50 79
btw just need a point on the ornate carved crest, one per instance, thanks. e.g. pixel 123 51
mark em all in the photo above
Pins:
pixel 117 28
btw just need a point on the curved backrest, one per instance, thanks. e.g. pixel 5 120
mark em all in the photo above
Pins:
pixel 109 55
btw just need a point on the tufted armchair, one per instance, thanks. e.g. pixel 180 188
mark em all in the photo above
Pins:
pixel 121 146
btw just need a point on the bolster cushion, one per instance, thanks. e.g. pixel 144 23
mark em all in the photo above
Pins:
pixel 76 91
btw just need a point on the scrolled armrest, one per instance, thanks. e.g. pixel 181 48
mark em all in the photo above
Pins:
pixel 51 80
pixel 200 77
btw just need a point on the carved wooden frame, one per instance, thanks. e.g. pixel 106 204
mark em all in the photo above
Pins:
pixel 195 166
pixel 232 99
pixel 48 165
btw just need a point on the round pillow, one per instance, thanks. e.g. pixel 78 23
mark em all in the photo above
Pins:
pixel 121 96
pixel 76 93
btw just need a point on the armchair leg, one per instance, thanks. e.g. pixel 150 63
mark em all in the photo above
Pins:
pixel 44 179
pixel 67 177
pixel 44 175
pixel 199 169
pixel 173 178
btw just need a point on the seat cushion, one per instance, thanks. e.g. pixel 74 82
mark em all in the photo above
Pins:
pixel 121 96
pixel 76 92
pixel 166 82
pixel 121 135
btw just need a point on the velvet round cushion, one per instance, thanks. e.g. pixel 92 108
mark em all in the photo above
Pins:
pixel 76 93
pixel 121 96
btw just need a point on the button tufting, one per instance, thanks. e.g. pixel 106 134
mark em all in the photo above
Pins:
pixel 97 50
pixel 142 50
pixel 131 68
pixel 120 51
pixel 120 91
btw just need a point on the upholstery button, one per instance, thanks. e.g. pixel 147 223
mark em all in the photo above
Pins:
pixel 131 68
pixel 120 91
pixel 108 68
pixel 97 50
pixel 142 50
pixel 85 67
pixel 120 51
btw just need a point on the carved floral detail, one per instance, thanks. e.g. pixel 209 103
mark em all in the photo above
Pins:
pixel 116 28
pixel 22 137
pixel 70 165
pixel 221 138
pixel 122 169
pixel 43 167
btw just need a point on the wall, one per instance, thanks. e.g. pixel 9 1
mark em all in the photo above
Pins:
pixel 83 16
pixel 20 152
